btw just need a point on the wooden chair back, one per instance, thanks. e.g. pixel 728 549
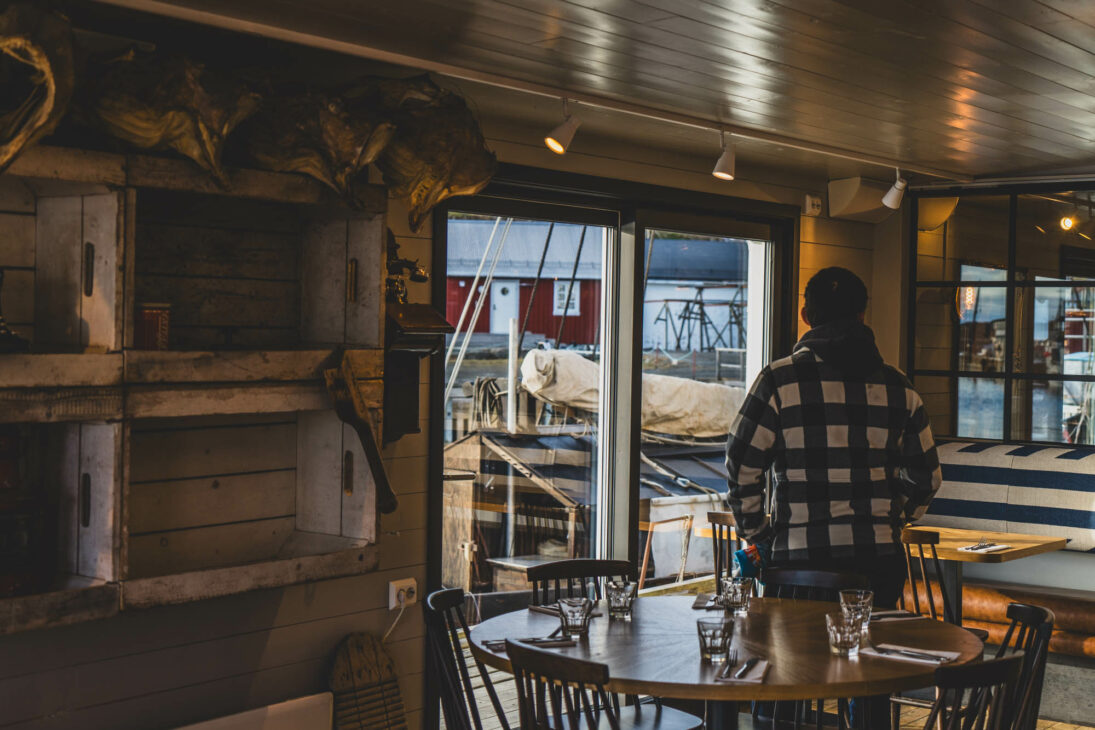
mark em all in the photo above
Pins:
pixel 814 585
pixel 976 696
pixel 724 544
pixel 925 542
pixel 557 692
pixel 444 624
pixel 1029 632
pixel 570 578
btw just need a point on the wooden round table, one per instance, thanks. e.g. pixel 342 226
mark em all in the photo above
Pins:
pixel 658 653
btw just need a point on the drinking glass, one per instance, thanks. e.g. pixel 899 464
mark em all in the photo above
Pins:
pixel 856 604
pixel 621 594
pixel 715 634
pixel 735 595
pixel 574 614
pixel 844 634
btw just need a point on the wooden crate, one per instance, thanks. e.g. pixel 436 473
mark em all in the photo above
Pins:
pixel 223 467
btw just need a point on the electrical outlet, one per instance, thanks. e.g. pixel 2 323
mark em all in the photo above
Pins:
pixel 812 206
pixel 409 586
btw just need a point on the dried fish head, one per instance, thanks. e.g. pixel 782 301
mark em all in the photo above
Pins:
pixel 172 103
pixel 318 135
pixel 36 75
pixel 438 152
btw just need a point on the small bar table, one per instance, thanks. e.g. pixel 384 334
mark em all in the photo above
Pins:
pixel 951 558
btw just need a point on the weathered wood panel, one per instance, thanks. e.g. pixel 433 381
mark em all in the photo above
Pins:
pixel 231 366
pixel 223 302
pixel 183 587
pixel 175 504
pixel 199 250
pixel 158 401
pixel 46 371
pixel 65 163
pixel 202 548
pixel 58 285
pixel 16 240
pixel 320 452
pixel 18 297
pixel 60 404
pixel 99 328
pixel 323 283
pixel 76 600
pixel 359 513
pixel 203 450
pixel 101 475
pixel 366 254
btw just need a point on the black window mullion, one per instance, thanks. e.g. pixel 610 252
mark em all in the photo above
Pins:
pixel 1009 316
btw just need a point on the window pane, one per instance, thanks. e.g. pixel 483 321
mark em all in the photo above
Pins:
pixel 975 234
pixel 703 341
pixel 1054 236
pixel 1062 411
pixel 961 328
pixel 980 408
pixel 513 498
pixel 1055 327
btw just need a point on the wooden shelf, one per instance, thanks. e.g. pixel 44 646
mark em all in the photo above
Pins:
pixel 72 599
pixel 160 384
pixel 74 170
pixel 340 557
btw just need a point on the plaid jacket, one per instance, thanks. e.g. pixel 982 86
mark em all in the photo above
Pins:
pixel 850 460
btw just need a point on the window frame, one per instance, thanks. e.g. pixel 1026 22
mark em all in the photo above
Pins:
pixel 1010 285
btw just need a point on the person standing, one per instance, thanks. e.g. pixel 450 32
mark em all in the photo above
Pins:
pixel 845 441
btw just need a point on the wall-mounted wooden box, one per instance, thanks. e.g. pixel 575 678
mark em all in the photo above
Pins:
pixel 222 465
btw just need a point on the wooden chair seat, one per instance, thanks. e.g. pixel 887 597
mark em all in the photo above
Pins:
pixel 647 717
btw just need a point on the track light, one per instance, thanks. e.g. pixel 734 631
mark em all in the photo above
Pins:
pixel 558 139
pixel 724 168
pixel 893 196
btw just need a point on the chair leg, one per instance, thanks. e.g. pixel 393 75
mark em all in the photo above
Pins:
pixel 895 716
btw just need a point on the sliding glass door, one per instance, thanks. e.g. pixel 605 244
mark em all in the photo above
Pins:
pixel 525 290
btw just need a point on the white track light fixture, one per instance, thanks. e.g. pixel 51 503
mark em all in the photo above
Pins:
pixel 558 139
pixel 893 196
pixel 724 168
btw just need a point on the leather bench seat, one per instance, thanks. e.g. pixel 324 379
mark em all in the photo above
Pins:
pixel 984 606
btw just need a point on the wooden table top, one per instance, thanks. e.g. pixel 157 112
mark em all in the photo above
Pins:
pixel 1022 546
pixel 658 651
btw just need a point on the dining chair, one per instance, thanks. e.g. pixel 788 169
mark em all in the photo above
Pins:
pixel 444 625
pixel 725 543
pixel 556 692
pixel 925 542
pixel 814 585
pixel 976 696
pixel 1029 632
pixel 570 578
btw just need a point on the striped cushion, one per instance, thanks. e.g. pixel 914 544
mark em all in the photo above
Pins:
pixel 1037 490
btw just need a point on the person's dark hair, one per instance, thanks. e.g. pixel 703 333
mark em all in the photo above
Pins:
pixel 834 293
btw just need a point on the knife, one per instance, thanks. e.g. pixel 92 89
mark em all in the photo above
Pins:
pixel 749 664
pixel 913 654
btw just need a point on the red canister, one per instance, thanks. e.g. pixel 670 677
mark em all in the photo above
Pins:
pixel 152 326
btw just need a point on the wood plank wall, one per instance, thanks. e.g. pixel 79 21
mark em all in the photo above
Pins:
pixel 165 667
pixel 229 270
pixel 160 668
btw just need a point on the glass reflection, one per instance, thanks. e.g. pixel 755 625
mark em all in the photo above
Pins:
pixel 980 408
pixel 1062 411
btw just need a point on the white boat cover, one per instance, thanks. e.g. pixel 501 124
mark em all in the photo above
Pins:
pixel 671 405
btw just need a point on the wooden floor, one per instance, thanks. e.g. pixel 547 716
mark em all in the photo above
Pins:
pixel 912 718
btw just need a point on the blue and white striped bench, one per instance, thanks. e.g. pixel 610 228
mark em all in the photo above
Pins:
pixel 1037 490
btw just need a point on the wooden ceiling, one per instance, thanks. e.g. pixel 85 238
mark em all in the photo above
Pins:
pixel 971 88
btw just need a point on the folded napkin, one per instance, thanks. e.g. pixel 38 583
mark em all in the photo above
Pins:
pixel 755 674
pixel 921 656
pixel 706 600
pixel 985 549
pixel 543 642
